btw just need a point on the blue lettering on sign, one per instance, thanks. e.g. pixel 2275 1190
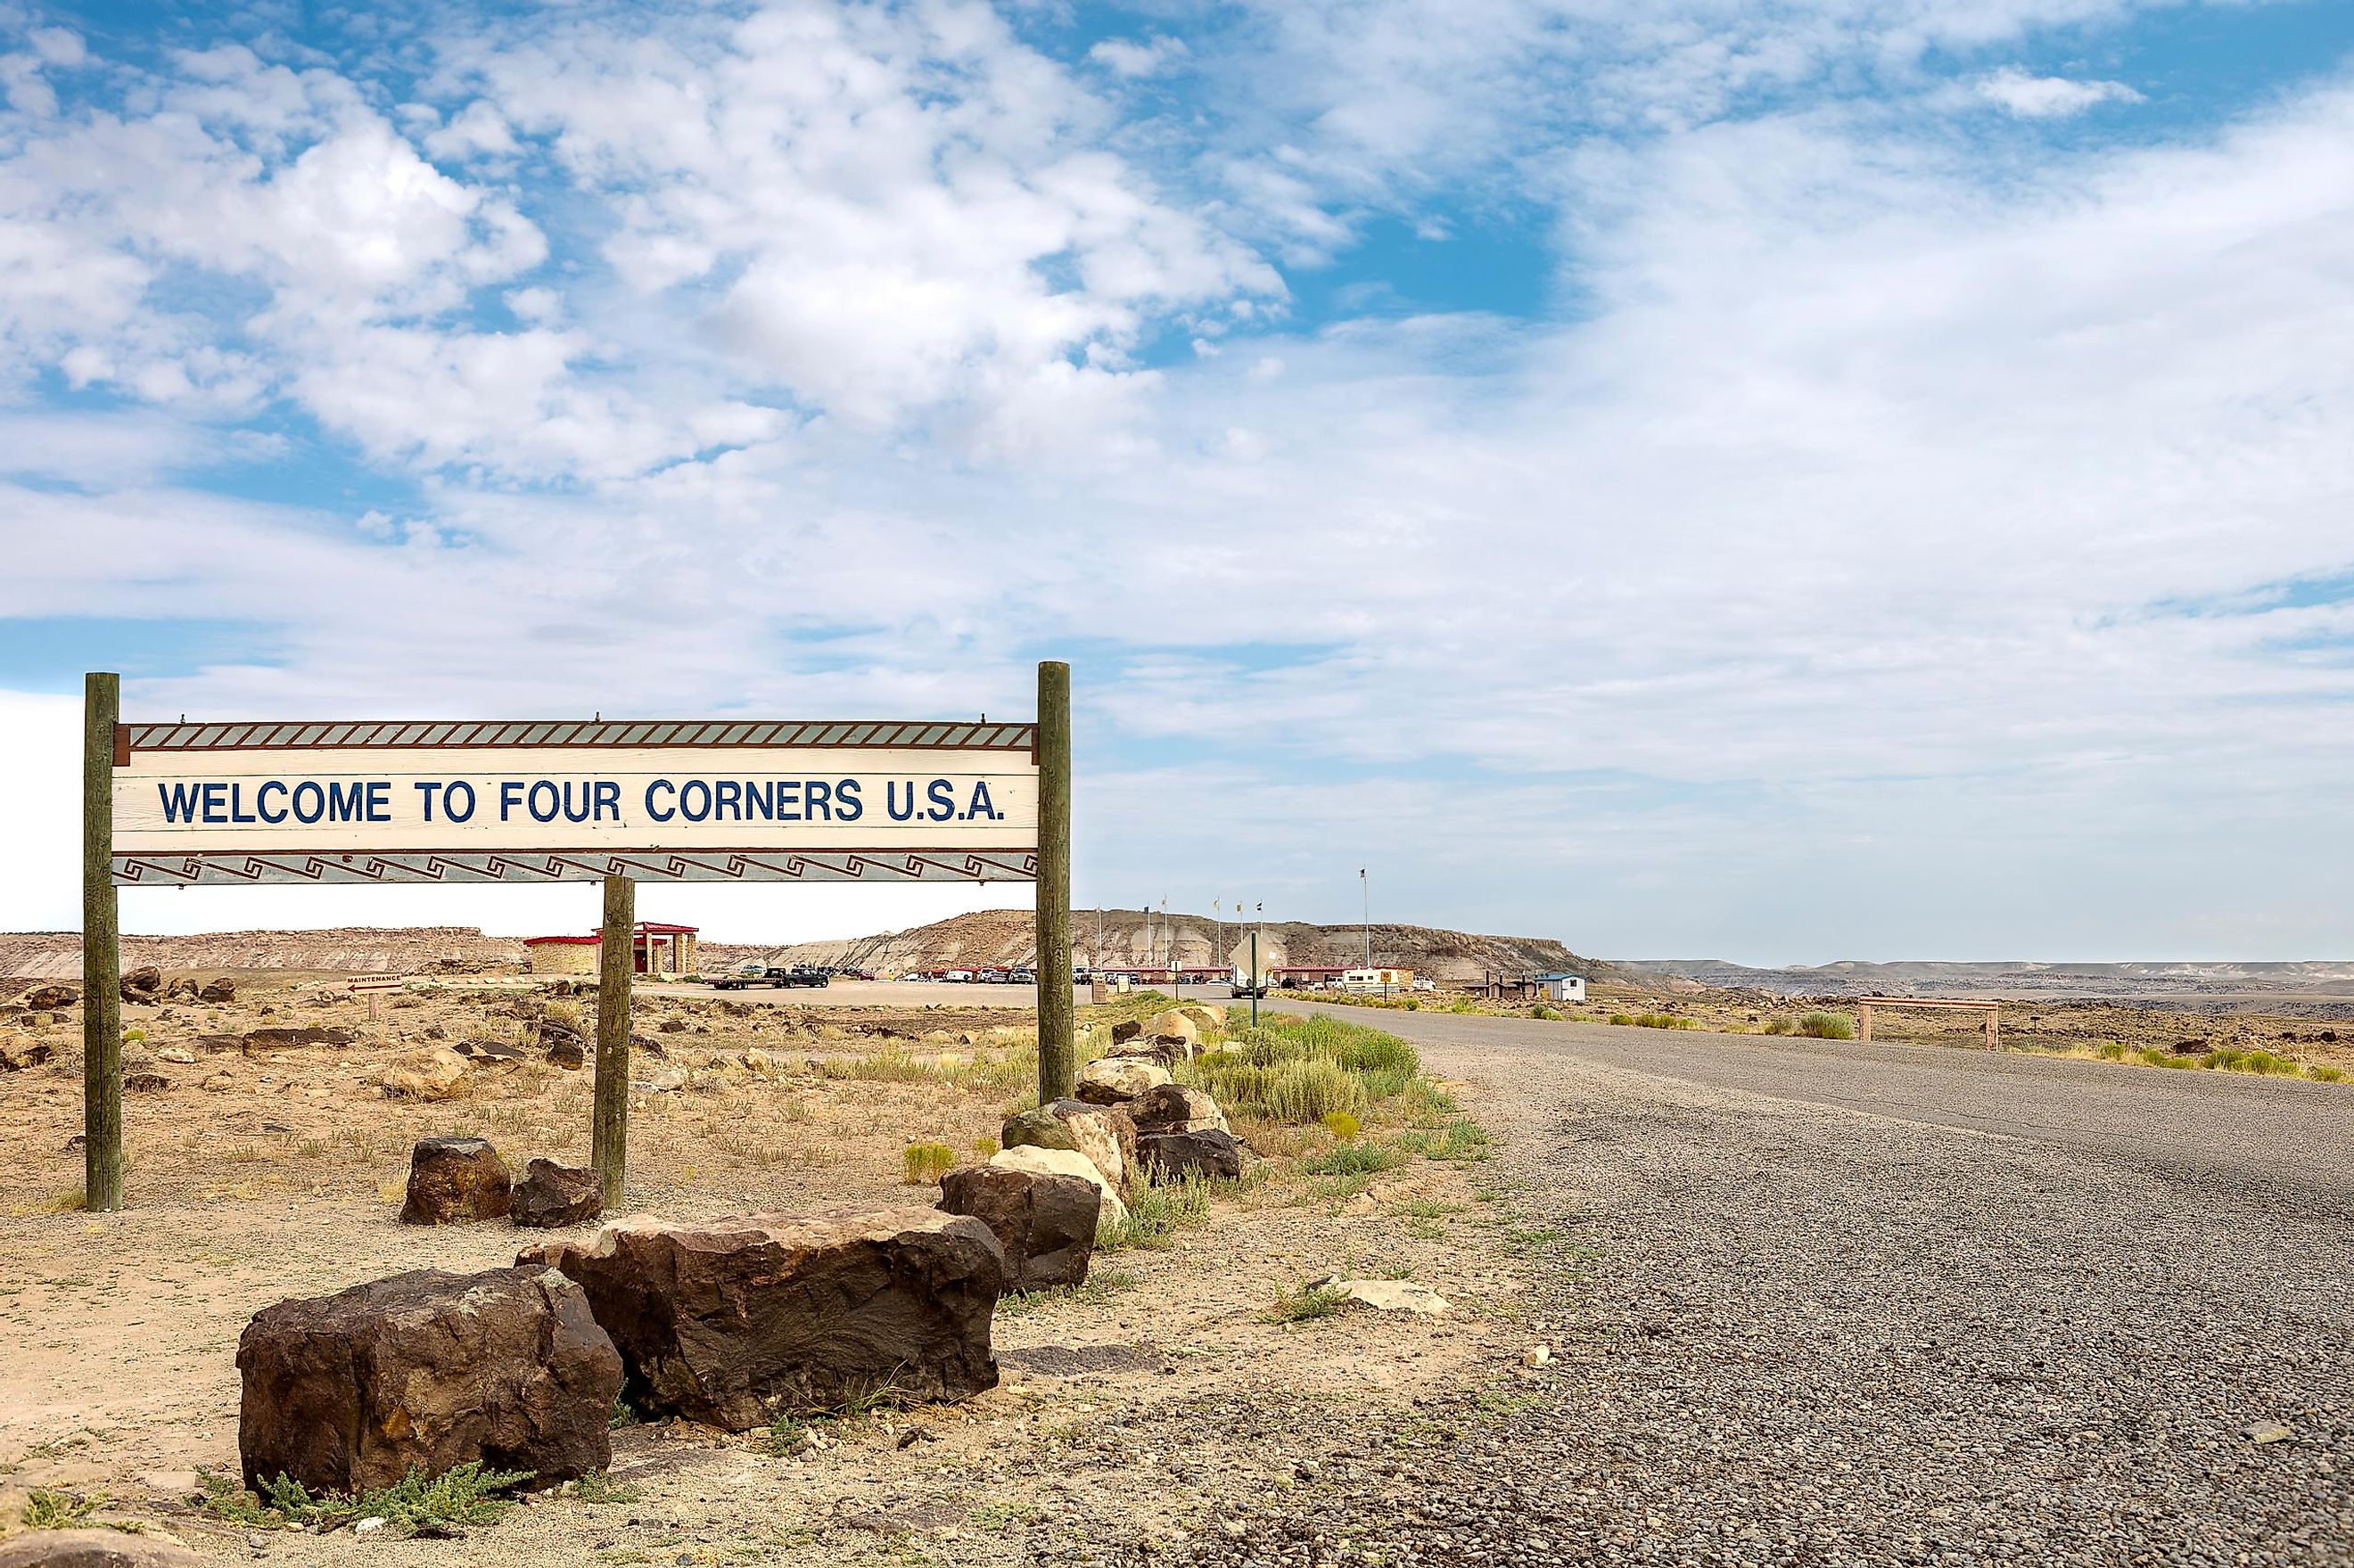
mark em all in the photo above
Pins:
pixel 215 795
pixel 694 799
pixel 542 789
pixel 379 801
pixel 788 799
pixel 813 798
pixel 465 813
pixel 345 802
pixel 237 811
pixel 661 813
pixel 846 801
pixel 180 801
pixel 262 802
pixel 608 798
pixel 943 797
pixel 891 800
pixel 727 800
pixel 426 788
pixel 510 797
pixel 317 805
pixel 983 806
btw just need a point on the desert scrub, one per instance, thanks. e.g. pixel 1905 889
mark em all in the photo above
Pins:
pixel 1157 1214
pixel 48 1510
pixel 1099 1286
pixel 1461 1139
pixel 1778 1026
pixel 1551 1014
pixel 466 1495
pixel 1342 1125
pixel 1309 1302
pixel 1304 1069
pixel 1353 1160
pixel 1827 1026
pixel 927 1162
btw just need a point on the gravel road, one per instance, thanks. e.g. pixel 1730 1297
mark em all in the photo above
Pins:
pixel 1815 1302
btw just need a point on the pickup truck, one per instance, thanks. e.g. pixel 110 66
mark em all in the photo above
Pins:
pixel 775 976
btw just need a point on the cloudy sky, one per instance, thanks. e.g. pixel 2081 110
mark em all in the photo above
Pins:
pixel 1784 481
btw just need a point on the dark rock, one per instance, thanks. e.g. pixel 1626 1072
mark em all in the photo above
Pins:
pixel 50 998
pixel 220 988
pixel 257 1041
pixel 454 1180
pixel 550 1195
pixel 674 1025
pixel 145 1083
pixel 1173 1108
pixel 428 1371
pixel 96 1549
pixel 565 1049
pixel 1126 1029
pixel 733 1322
pixel 181 990
pixel 1174 1156
pixel 1046 1223
pixel 143 986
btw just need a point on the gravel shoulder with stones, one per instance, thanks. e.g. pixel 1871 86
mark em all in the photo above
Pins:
pixel 1787 1332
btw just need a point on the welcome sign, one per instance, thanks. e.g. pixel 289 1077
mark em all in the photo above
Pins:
pixel 767 802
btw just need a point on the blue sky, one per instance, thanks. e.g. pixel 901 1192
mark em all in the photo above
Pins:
pixel 1835 479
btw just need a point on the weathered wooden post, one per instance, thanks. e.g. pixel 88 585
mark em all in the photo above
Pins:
pixel 1057 1047
pixel 608 1122
pixel 101 952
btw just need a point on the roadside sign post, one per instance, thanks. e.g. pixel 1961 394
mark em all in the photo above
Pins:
pixel 608 1118
pixel 466 803
pixel 101 951
pixel 372 987
pixel 1057 1043
pixel 1257 982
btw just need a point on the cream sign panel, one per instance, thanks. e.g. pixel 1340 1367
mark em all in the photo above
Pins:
pixel 387 802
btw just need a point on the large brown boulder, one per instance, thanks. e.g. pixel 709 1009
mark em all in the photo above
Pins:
pixel 220 988
pixel 1103 1133
pixel 95 1548
pixel 1174 1107
pixel 428 1371
pixel 455 1181
pixel 552 1195
pixel 733 1322
pixel 143 986
pixel 1046 1223
pixel 1174 1156
pixel 50 998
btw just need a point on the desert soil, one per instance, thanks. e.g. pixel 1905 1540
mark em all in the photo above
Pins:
pixel 1127 1414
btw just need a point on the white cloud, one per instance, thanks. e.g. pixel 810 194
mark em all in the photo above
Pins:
pixel 1131 59
pixel 2049 97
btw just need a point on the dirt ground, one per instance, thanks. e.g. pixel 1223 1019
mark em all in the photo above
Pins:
pixel 257 1173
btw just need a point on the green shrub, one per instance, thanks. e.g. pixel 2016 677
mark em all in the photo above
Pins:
pixel 48 1510
pixel 927 1162
pixel 1827 1026
pixel 2327 1074
pixel 1778 1026
pixel 1462 1139
pixel 464 1495
pixel 1299 1305
pixel 1353 1159
pixel 1342 1125
pixel 1551 1015
pixel 1622 1019
pixel 1156 1215
pixel 2110 1051
pixel 1663 1021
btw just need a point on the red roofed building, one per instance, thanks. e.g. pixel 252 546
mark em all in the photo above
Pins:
pixel 656 949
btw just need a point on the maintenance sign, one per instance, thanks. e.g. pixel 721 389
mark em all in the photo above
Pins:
pixel 768 801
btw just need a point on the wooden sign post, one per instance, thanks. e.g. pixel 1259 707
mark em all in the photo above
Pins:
pixel 101 952
pixel 178 805
pixel 1057 1043
pixel 372 987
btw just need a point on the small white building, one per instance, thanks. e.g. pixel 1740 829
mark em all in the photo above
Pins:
pixel 1562 988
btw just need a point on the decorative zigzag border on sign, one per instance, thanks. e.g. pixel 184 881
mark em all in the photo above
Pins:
pixel 874 866
pixel 399 735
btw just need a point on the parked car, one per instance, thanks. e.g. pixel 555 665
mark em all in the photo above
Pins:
pixel 775 976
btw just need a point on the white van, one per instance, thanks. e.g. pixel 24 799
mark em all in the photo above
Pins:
pixel 1358 982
